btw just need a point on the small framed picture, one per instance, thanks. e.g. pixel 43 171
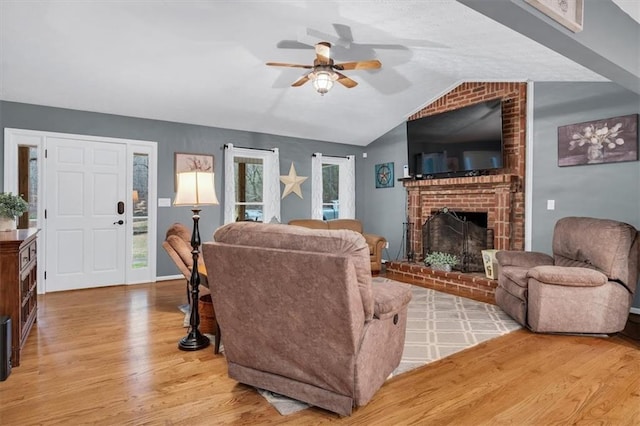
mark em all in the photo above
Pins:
pixel 384 175
pixel 566 12
pixel 185 162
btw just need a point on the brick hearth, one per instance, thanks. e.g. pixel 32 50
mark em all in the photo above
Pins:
pixel 471 285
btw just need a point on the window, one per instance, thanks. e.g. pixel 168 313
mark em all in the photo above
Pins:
pixel 330 191
pixel 248 178
pixel 252 182
pixel 333 187
pixel 28 185
pixel 140 204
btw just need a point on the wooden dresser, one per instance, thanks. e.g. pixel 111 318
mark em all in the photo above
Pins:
pixel 18 285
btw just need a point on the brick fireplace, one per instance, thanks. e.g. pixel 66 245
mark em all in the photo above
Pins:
pixel 499 194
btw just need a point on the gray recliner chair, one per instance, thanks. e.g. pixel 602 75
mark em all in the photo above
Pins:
pixel 300 314
pixel 586 287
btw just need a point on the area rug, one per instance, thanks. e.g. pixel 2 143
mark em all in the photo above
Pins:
pixel 438 325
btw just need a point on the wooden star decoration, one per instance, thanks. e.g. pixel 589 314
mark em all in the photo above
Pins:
pixel 292 182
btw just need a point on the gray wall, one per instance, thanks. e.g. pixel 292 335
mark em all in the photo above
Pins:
pixel 602 190
pixel 177 137
pixel 385 209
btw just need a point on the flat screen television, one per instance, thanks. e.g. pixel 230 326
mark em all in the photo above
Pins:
pixel 458 142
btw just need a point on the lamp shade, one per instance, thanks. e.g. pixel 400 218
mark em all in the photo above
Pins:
pixel 195 188
pixel 323 81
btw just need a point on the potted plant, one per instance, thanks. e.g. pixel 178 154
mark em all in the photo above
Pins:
pixel 441 261
pixel 10 207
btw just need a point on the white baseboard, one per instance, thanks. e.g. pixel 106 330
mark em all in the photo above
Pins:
pixel 635 311
pixel 170 277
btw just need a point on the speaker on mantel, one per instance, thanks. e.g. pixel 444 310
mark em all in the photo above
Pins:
pixel 5 347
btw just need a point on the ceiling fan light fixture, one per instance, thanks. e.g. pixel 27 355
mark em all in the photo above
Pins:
pixel 323 80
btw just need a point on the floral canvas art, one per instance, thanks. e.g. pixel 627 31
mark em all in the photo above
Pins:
pixel 610 140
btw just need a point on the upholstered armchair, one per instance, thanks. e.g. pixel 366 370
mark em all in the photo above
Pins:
pixel 177 244
pixel 586 287
pixel 375 242
pixel 300 315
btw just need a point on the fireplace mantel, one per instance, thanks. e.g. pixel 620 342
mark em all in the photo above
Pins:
pixel 464 180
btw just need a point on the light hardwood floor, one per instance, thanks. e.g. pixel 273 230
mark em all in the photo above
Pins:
pixel 109 356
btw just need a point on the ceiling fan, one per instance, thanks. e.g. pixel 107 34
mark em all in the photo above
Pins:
pixel 324 72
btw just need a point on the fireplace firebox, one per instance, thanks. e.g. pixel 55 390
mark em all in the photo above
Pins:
pixel 464 234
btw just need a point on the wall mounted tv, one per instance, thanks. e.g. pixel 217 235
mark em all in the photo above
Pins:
pixel 460 142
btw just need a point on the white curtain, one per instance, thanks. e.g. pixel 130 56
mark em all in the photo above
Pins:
pixel 316 186
pixel 270 181
pixel 347 187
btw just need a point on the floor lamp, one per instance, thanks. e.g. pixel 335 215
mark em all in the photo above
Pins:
pixel 195 189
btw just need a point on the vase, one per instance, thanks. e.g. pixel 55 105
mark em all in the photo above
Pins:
pixel 444 268
pixel 595 153
pixel 7 223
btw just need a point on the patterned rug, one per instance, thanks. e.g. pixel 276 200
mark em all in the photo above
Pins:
pixel 438 325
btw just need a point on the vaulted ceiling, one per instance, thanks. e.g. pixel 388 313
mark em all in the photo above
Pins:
pixel 203 62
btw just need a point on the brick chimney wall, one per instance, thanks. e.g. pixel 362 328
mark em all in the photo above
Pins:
pixel 501 193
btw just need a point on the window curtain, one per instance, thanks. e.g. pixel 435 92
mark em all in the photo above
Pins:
pixel 270 180
pixel 347 187
pixel 316 186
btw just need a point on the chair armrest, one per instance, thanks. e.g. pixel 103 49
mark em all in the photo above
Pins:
pixel 389 298
pixel 375 241
pixel 568 276
pixel 525 259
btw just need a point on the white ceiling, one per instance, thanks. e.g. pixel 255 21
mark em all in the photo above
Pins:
pixel 203 62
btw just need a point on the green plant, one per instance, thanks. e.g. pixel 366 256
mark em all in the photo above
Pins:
pixel 12 205
pixel 441 258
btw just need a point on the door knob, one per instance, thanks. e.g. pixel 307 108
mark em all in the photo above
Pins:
pixel 120 222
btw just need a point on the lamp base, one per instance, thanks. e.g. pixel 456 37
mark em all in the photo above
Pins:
pixel 193 341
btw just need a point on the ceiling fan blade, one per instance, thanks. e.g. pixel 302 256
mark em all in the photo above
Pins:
pixel 359 65
pixel 282 64
pixel 344 32
pixel 346 81
pixel 293 44
pixel 302 80
pixel 323 52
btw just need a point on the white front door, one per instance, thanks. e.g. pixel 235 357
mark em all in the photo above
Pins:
pixel 85 228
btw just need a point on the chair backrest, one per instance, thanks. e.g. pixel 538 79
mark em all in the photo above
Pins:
pixel 608 246
pixel 177 243
pixel 352 224
pixel 310 223
pixel 289 299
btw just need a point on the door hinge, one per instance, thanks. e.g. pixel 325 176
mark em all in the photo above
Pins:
pixel 45 275
pixel 45 213
pixel 46 152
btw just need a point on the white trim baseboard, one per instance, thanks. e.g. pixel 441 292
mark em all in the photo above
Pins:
pixel 169 277
pixel 635 310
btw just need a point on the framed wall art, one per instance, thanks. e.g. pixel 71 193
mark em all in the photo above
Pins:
pixel 609 140
pixel 569 13
pixel 185 162
pixel 384 175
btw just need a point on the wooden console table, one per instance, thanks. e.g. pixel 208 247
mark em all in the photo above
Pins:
pixel 18 286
